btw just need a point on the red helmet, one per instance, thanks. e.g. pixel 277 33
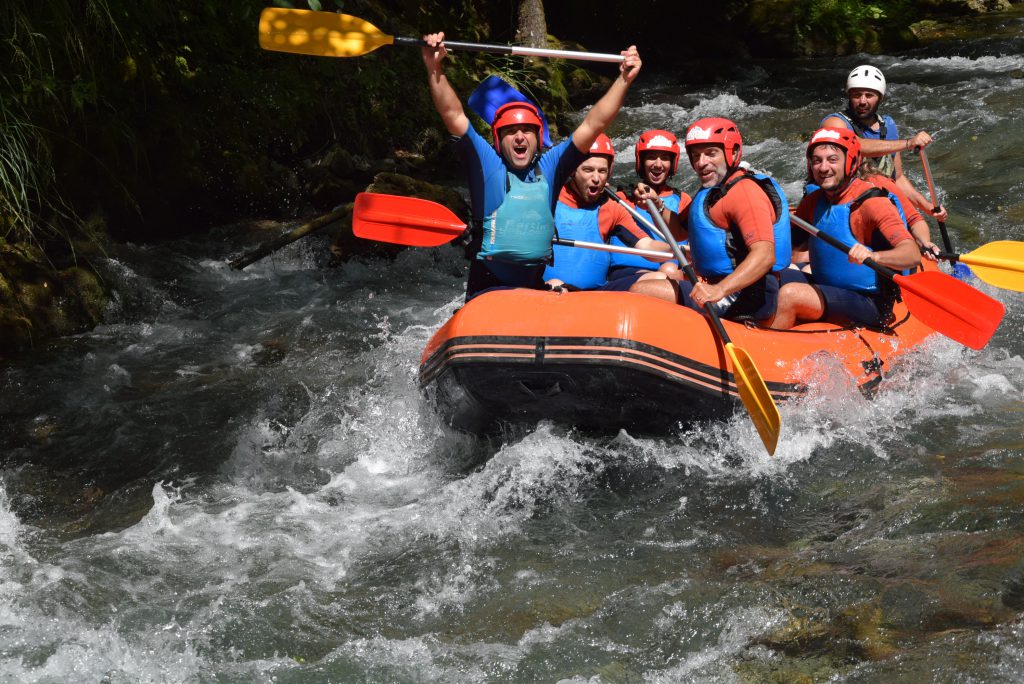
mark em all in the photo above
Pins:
pixel 657 140
pixel 840 137
pixel 718 131
pixel 603 147
pixel 515 113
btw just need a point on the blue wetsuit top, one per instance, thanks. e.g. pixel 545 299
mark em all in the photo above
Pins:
pixel 488 177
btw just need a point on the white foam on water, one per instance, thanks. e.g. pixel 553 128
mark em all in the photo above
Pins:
pixel 908 68
pixel 738 628
pixel 12 551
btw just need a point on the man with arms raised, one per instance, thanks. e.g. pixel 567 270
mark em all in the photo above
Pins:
pixel 738 228
pixel 513 185
pixel 865 89
pixel 840 288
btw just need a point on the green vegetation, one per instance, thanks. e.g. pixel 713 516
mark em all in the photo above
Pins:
pixel 847 25
pixel 148 119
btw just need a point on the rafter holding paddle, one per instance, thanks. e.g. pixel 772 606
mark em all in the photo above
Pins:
pixel 421 223
pixel 940 301
pixel 749 383
pixel 327 34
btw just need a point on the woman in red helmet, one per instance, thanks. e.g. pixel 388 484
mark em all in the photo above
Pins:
pixel 513 185
pixel 738 228
pixel 840 289
pixel 657 158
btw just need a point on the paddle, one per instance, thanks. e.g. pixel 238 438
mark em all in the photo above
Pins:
pixel 935 200
pixel 326 34
pixel 749 383
pixel 492 93
pixel 404 220
pixel 999 263
pixel 637 216
pixel 943 303
pixel 959 270
pixel 421 223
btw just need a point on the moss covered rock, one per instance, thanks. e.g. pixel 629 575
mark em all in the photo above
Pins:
pixel 39 301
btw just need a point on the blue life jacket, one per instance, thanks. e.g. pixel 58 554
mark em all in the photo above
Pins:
pixel 829 265
pixel 886 131
pixel 717 251
pixel 811 187
pixel 520 230
pixel 634 261
pixel 583 268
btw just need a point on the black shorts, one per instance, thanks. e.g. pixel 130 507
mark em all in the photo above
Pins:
pixel 502 275
pixel 756 302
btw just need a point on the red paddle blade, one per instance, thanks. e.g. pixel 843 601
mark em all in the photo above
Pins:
pixel 404 220
pixel 951 307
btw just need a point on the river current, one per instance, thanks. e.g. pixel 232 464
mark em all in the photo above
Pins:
pixel 235 477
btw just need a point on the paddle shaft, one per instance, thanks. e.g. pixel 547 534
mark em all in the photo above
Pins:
pixel 601 247
pixel 515 50
pixel 637 216
pixel 632 211
pixel 935 201
pixel 750 386
pixel 870 263
pixel 691 275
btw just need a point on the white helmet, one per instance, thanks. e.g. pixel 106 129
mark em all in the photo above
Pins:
pixel 866 76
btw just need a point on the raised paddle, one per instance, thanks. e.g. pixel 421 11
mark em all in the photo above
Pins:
pixel 959 270
pixel 749 383
pixel 327 34
pixel 943 303
pixel 421 223
pixel 999 263
pixel 935 200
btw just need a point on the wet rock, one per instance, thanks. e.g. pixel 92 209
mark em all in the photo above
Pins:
pixel 400 184
pixel 39 300
pixel 271 352
pixel 1013 593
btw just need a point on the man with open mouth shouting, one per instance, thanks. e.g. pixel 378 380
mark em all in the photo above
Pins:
pixel 585 213
pixel 513 184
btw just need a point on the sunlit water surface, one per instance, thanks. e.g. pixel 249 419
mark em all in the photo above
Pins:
pixel 235 478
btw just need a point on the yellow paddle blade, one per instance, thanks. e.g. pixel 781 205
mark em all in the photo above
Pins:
pixel 322 34
pixel 755 396
pixel 999 263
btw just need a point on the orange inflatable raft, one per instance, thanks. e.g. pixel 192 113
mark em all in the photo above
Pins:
pixel 611 360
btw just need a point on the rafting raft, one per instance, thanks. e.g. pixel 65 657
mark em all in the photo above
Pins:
pixel 613 360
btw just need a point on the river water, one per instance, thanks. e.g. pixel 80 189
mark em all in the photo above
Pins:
pixel 235 478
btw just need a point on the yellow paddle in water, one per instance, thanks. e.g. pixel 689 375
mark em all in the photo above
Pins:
pixel 749 383
pixel 999 263
pixel 327 34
